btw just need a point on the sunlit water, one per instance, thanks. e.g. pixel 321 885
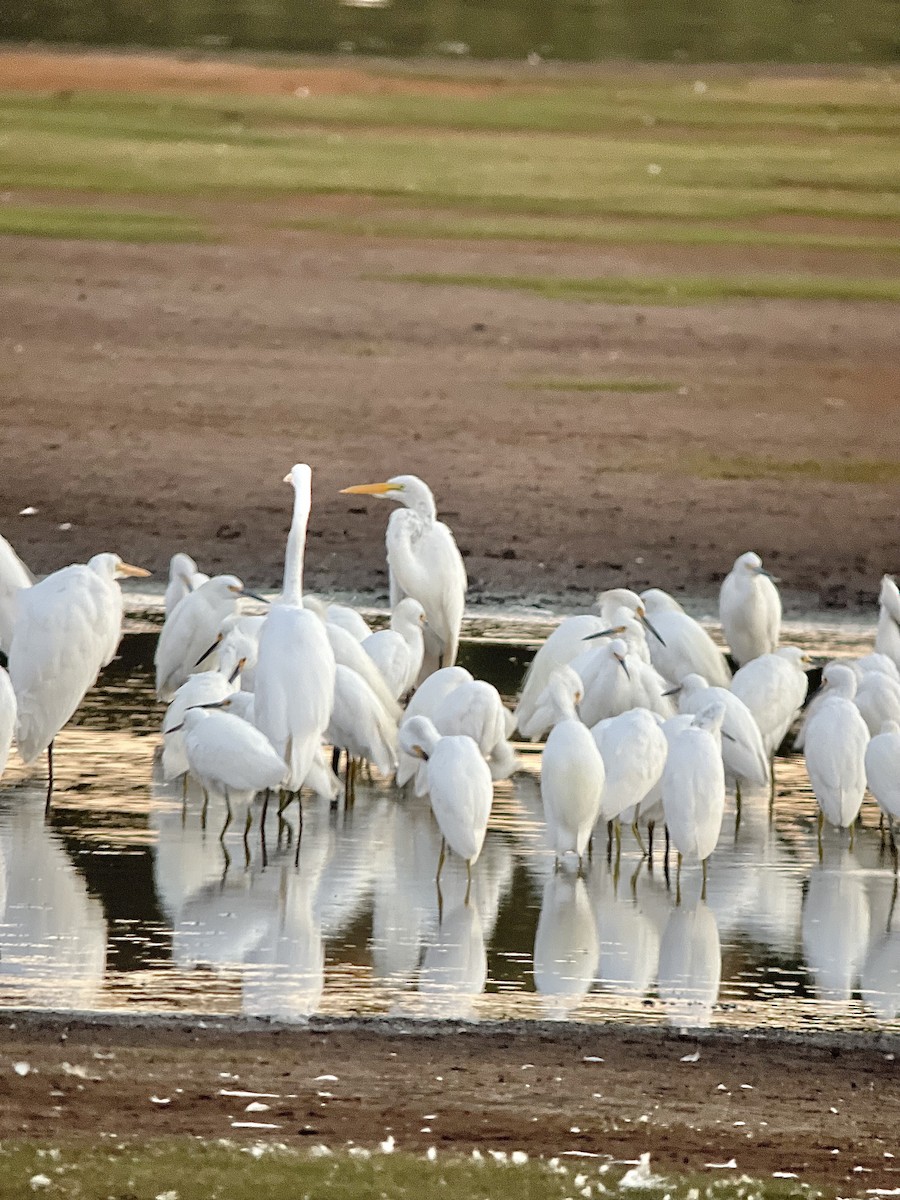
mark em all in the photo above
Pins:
pixel 126 899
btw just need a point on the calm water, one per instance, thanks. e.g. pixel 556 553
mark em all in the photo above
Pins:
pixel 127 899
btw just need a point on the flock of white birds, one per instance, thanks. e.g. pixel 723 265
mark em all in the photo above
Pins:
pixel 644 721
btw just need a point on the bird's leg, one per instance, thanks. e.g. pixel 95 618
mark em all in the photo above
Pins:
pixel 852 832
pixel 890 825
pixel 590 847
pixel 609 838
pixel 226 858
pixel 737 799
pixel 881 829
pixel 247 824
pixel 666 858
pixel 227 817
pixel 634 879
pixel 468 882
pixel 703 889
pixel 893 901
pixel 772 784
pixel 440 898
pixel 443 855
pixel 263 849
pixel 205 808
pixel 335 758
pixel 678 880
pixel 820 822
pixel 283 800
pixel 184 792
pixel 651 825
pixel 49 778
pixel 637 837
pixel 265 812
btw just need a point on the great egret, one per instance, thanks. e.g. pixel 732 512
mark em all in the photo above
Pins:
pixel 184 577
pixel 295 670
pixel 743 752
pixel 191 629
pixel 475 709
pixel 683 644
pixel 13 576
pixel 750 609
pixel 572 771
pixel 339 614
pixel 459 786
pixel 835 749
pixel 7 718
pixel 360 724
pixel 397 652
pixel 693 787
pixel 425 701
pixel 67 629
pixel 887 639
pixel 424 562
pixel 882 762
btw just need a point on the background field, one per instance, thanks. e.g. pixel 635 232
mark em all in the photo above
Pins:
pixel 628 321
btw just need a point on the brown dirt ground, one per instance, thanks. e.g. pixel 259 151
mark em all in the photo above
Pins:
pixel 153 396
pixel 831 1110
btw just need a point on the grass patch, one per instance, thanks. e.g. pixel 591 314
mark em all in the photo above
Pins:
pixel 596 385
pixel 871 471
pixel 670 289
pixel 194 146
pixel 198 1171
pixel 97 225
pixel 492 227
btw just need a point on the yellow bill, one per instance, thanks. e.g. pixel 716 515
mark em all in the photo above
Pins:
pixel 134 572
pixel 370 489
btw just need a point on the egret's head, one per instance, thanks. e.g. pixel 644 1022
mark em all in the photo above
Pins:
pixel 418 737
pixel 840 680
pixel 112 566
pixel 751 563
pixel 408 490
pixel 300 477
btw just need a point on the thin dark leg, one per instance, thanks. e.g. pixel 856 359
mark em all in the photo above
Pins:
pixel 49 779
pixel 335 758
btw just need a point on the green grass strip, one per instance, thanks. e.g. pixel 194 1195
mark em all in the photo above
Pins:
pixel 99 225
pixel 670 290
pixel 596 385
pixel 868 471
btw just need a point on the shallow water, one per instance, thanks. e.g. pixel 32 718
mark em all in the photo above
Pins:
pixel 126 899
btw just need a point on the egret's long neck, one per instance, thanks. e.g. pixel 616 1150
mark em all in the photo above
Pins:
pixel 292 591
pixel 421 501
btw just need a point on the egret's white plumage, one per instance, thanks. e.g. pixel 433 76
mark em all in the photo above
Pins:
pixel 887 638
pixel 459 785
pixel 424 563
pixel 360 724
pixel 7 718
pixel 398 651
pixel 572 771
pixel 633 748
pixel 426 700
pixel 882 762
pixel 295 670
pixel 475 709
pixel 566 944
pixel 230 757
pixel 773 687
pixel 743 752
pixel 348 651
pixel 683 645
pixel 67 629
pixel 191 630
pixel 750 609
pixel 878 699
pixel 339 614
pixel 566 642
pixel 693 785
pixel 14 575
pixel 184 577
pixel 835 748
pixel 207 687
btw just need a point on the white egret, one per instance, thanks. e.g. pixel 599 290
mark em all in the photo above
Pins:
pixel 683 645
pixel 459 786
pixel 204 688
pixel 424 563
pixel 887 639
pixel 566 642
pixel 572 771
pixel 237 657
pixel 67 629
pixel 882 762
pixel 425 701
pixel 743 752
pixel 398 651
pixel 773 687
pixel 835 748
pixel 339 614
pixel 191 631
pixel 295 670
pixel 878 699
pixel 348 651
pixel 651 809
pixel 184 577
pixel 13 576
pixel 475 709
pixel 750 609
pixel 7 718
pixel 230 757
pixel 693 787
pixel 360 724
pixel 634 750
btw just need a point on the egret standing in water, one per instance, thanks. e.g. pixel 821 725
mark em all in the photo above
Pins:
pixel 693 788
pixel 750 609
pixel 424 563
pixel 835 750
pixel 7 718
pixel 773 687
pixel 191 630
pixel 882 761
pixel 295 670
pixel 459 786
pixel 67 629
pixel 184 578
pixel 14 575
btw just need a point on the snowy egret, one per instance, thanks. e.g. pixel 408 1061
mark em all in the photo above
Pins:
pixel 184 577
pixel 693 787
pixel 360 724
pixel 750 609
pixel 192 629
pixel 882 762
pixel 398 651
pixel 425 701
pixel 572 771
pixel 683 645
pixel 295 670
pixel 878 699
pixel 339 614
pixel 475 708
pixel 67 629
pixel 616 680
pixel 13 576
pixel 887 639
pixel 459 786
pixel 208 687
pixel 634 749
pixel 424 562
pixel 773 687
pixel 835 748
pixel 743 752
